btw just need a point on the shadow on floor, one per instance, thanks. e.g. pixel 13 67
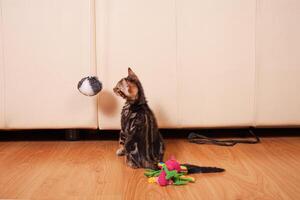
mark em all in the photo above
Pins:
pixel 57 135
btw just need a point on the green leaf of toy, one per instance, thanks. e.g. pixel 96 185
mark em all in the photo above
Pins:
pixel 157 173
pixel 171 174
pixel 189 179
pixel 179 182
pixel 164 167
pixel 152 173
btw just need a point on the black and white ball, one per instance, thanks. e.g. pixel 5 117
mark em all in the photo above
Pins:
pixel 89 86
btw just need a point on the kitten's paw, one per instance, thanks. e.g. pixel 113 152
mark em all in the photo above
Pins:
pixel 120 152
pixel 130 164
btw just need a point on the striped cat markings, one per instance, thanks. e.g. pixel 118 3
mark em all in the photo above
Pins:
pixel 140 140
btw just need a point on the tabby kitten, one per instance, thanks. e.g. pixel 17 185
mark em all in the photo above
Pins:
pixel 140 140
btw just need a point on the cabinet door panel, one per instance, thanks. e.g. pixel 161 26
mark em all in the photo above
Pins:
pixel 2 104
pixel 278 63
pixel 140 34
pixel 216 62
pixel 46 52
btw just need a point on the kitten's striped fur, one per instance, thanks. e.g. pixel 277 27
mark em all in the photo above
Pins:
pixel 140 139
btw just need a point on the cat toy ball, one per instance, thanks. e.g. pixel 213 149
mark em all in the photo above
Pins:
pixel 89 86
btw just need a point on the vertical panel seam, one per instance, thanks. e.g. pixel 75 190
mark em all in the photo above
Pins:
pixel 101 35
pixel 93 50
pixel 255 96
pixel 177 63
pixel 3 66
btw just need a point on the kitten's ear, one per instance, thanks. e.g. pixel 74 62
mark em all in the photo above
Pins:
pixel 131 73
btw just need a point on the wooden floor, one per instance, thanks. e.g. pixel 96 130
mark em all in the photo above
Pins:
pixel 90 170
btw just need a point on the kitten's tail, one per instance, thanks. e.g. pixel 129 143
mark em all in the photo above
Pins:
pixel 192 169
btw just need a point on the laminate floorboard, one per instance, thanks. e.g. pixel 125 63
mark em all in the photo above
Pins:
pixel 91 170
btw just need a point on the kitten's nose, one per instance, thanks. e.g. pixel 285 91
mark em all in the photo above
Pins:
pixel 115 89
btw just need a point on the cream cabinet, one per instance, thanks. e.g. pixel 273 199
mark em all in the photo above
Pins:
pixel 216 59
pixel 203 63
pixel 278 63
pixel 2 81
pixel 46 48
pixel 196 59
pixel 142 35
